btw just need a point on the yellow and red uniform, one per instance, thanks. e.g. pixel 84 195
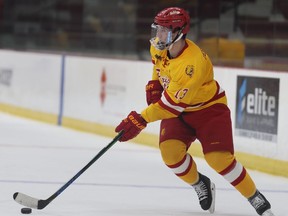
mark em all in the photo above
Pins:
pixel 193 106
pixel 188 81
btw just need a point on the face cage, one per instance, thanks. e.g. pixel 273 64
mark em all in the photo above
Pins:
pixel 161 37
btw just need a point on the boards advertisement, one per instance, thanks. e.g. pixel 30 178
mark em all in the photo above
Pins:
pixel 257 106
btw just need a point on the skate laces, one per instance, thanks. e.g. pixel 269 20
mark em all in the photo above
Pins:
pixel 261 205
pixel 201 190
pixel 257 201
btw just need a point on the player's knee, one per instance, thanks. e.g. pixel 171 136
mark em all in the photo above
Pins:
pixel 172 151
pixel 219 160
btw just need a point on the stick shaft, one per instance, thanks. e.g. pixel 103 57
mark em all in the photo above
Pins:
pixel 40 204
pixel 60 190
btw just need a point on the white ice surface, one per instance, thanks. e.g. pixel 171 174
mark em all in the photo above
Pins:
pixel 37 159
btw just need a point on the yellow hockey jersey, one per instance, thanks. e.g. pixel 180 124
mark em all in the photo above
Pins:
pixel 188 82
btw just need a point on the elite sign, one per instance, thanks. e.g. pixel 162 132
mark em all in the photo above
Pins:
pixel 257 108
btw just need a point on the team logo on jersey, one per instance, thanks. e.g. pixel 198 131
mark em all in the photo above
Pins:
pixel 189 70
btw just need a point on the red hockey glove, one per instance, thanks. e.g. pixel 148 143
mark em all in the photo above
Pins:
pixel 132 126
pixel 153 91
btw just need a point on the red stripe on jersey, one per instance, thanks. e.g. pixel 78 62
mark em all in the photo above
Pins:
pixel 183 105
pixel 171 106
pixel 229 168
pixel 216 96
pixel 175 112
pixel 240 178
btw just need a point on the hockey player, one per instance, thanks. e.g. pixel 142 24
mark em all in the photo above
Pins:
pixel 191 105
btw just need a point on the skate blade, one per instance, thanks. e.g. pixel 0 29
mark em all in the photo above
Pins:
pixel 212 207
pixel 268 213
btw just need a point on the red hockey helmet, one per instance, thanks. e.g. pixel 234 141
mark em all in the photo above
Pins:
pixel 174 18
pixel 169 27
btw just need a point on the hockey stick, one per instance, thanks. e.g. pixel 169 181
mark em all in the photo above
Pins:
pixel 31 202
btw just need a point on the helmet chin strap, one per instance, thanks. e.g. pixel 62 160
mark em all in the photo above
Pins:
pixel 175 40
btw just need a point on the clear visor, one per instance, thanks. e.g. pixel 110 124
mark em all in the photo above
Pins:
pixel 161 37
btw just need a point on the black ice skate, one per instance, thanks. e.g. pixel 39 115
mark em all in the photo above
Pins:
pixel 261 204
pixel 205 190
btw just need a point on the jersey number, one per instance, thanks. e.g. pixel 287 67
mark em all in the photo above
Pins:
pixel 181 94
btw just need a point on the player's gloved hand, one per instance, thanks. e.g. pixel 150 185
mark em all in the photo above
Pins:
pixel 132 126
pixel 153 91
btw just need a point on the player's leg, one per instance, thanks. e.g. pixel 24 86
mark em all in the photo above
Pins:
pixel 215 135
pixel 175 139
pixel 175 156
pixel 226 165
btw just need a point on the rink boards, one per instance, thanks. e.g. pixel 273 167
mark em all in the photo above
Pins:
pixel 94 94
